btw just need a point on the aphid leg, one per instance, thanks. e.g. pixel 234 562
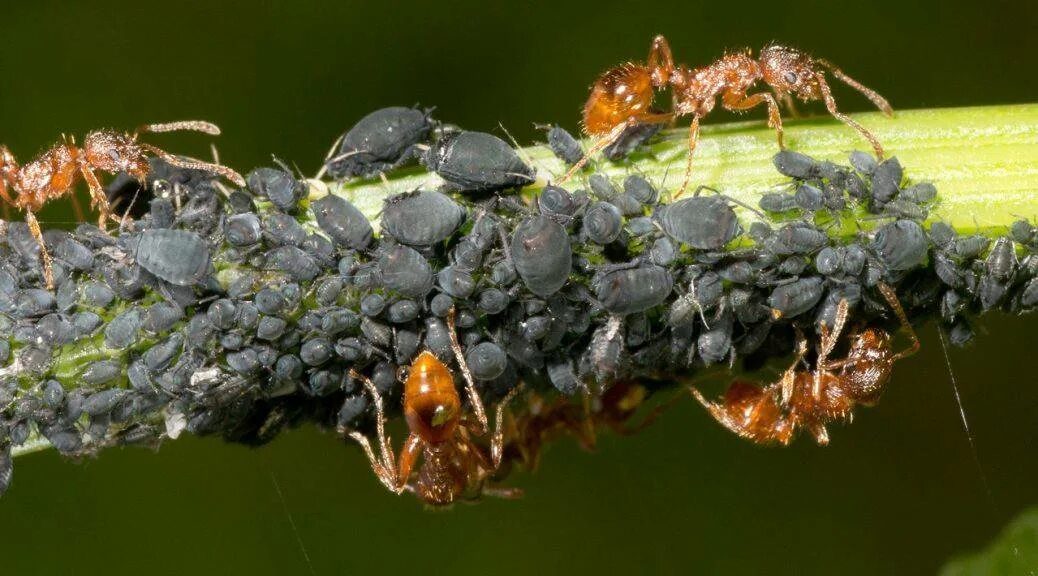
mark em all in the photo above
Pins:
pixel 383 465
pixel 470 384
pixel 195 164
pixel 97 196
pixel 497 444
pixel 193 125
pixel 827 343
pixel 830 104
pixel 693 140
pixel 34 228
pixel 895 304
pixel 869 93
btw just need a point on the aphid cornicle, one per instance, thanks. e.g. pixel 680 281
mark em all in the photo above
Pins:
pixel 54 173
pixel 454 465
pixel 622 97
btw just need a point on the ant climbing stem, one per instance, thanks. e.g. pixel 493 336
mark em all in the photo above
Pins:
pixel 623 96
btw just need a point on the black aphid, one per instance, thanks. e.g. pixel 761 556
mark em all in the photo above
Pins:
pixel 176 256
pixel 478 162
pixel 556 200
pixel 278 186
pixel 633 289
pixel 564 145
pixel 243 229
pixel 797 297
pixel 602 223
pixel 406 272
pixel 796 165
pixel 900 245
pixel 342 221
pixel 421 218
pixel 122 331
pixel 540 249
pixel 630 140
pixel 281 229
pixel 380 141
pixel 293 261
pixel 702 222
pixel 777 202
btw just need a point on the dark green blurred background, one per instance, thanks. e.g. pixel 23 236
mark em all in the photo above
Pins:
pixel 897 492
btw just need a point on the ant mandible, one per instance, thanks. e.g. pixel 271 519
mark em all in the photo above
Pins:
pixel 54 172
pixel 622 96
pixel 454 464
pixel 812 398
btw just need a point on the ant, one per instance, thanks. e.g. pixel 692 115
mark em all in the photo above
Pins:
pixel 454 464
pixel 622 96
pixel 54 172
pixel 812 398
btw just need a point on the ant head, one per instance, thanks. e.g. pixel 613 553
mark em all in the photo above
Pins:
pixel 871 344
pixel 617 96
pixel 789 71
pixel 114 152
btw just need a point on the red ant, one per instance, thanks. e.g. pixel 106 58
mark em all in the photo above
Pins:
pixel 622 96
pixel 813 398
pixel 454 465
pixel 53 173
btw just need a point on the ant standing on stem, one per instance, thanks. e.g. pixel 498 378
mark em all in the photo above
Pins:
pixel 454 464
pixel 812 398
pixel 54 173
pixel 622 96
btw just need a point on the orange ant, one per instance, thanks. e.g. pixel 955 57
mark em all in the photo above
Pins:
pixel 622 96
pixel 454 465
pixel 813 398
pixel 53 173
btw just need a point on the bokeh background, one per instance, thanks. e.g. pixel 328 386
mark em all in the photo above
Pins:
pixel 899 492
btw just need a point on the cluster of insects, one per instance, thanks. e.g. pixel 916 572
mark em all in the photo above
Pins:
pixel 622 97
pixel 55 172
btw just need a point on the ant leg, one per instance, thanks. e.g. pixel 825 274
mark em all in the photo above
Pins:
pixel 786 99
pixel 195 164
pixel 497 444
pixel 612 136
pixel 97 196
pixel 661 61
pixel 869 93
pixel 408 457
pixel 504 492
pixel 828 343
pixel 789 377
pixel 470 384
pixel 34 228
pixel 738 102
pixel 830 104
pixel 693 140
pixel 193 125
pixel 8 174
pixel 895 304
pixel 384 466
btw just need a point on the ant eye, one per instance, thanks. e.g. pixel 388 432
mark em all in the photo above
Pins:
pixel 114 155
pixel 790 77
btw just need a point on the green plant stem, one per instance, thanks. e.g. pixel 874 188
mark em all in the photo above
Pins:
pixel 983 160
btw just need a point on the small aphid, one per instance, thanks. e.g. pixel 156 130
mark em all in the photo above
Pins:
pixel 54 173
pixel 540 249
pixel 634 289
pixel 406 272
pixel 454 465
pixel 176 256
pixel 622 97
pixel 564 145
pixel 702 222
pixel 478 162
pixel 602 223
pixel 281 188
pixel 422 218
pixel 342 221
pixel 812 398
pixel 900 245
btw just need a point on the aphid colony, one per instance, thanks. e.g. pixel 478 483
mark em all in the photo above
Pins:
pixel 240 311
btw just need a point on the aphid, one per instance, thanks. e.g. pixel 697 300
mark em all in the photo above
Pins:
pixel 540 250
pixel 702 222
pixel 383 140
pixel 176 256
pixel 622 96
pixel 293 261
pixel 641 190
pixel 161 354
pixel 54 173
pixel 556 201
pixel 342 221
pixel 563 145
pixel 630 140
pixel 492 301
pixel 715 343
pixel 796 238
pixel 795 298
pixel 602 223
pixel 122 330
pixel 809 198
pixel 486 361
pixel 633 289
pixel 456 283
pixel 812 398
pixel 101 372
pixel 454 465
pixel 900 245
pixel 777 202
pixel 281 229
pixel 886 180
pixel 421 218
pixel 406 272
pixel 278 186
pixel 478 162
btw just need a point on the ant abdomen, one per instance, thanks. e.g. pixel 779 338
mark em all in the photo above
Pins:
pixel 618 95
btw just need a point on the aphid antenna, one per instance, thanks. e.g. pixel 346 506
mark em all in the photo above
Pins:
pixel 521 152
pixel 735 201
pixel 328 157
